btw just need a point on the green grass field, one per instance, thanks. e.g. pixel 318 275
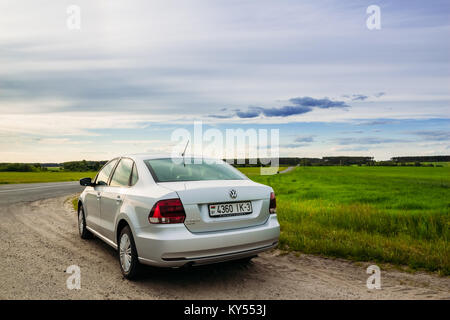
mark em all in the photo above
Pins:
pixel 396 215
pixel 54 169
pixel 43 176
pixel 255 171
pixel 444 164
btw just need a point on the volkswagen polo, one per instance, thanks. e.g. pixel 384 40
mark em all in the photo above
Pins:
pixel 170 212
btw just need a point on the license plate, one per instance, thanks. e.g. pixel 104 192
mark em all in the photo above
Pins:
pixel 230 209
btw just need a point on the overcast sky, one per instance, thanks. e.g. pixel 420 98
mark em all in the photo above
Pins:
pixel 137 70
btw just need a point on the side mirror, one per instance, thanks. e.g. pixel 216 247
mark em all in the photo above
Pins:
pixel 87 182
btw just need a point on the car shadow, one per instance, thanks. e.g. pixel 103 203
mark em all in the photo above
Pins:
pixel 190 276
pixel 196 279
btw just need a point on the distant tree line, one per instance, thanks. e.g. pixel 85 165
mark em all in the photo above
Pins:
pixel 21 167
pixel 283 161
pixel 422 159
pixel 83 165
pixel 343 161
pixel 66 166
pixel 325 161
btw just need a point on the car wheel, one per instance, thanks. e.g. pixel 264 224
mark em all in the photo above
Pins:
pixel 128 258
pixel 84 233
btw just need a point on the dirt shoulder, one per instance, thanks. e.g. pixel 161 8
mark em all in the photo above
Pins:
pixel 39 240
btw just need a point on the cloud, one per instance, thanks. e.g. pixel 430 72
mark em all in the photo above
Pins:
pixel 359 97
pixel 359 148
pixel 366 140
pixel 300 141
pixel 294 145
pixel 362 97
pixel 221 116
pixel 304 139
pixel 285 111
pixel 252 113
pixel 60 141
pixel 376 122
pixel 138 141
pixel 433 135
pixel 324 103
pixel 300 105
pixel 352 132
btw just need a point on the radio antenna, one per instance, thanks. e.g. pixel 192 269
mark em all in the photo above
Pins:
pixel 184 152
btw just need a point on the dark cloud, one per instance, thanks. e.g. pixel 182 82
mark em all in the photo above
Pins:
pixel 285 111
pixel 379 94
pixel 324 103
pixel 252 113
pixel 300 105
pixel 359 97
pixel 221 116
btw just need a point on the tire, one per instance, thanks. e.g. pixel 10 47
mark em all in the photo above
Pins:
pixel 128 258
pixel 84 233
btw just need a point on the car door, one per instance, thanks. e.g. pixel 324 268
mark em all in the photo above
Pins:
pixel 94 194
pixel 113 196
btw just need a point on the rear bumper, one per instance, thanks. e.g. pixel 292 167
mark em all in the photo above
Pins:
pixel 176 246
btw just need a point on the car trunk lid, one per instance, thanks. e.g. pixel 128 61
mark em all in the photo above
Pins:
pixel 196 197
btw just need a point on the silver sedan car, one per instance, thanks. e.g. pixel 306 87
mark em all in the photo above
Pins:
pixel 168 212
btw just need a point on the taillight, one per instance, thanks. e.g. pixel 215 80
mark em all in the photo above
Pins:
pixel 167 211
pixel 273 203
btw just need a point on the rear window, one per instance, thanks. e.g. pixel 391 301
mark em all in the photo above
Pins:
pixel 166 170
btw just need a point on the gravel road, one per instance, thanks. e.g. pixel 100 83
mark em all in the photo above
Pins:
pixel 39 240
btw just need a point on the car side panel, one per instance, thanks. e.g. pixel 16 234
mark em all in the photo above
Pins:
pixel 110 206
pixel 91 204
pixel 137 205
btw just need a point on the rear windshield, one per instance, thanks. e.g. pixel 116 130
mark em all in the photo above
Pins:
pixel 166 170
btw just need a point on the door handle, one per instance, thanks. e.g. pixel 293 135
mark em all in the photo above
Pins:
pixel 118 199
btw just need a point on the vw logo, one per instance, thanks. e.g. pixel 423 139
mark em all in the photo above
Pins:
pixel 233 194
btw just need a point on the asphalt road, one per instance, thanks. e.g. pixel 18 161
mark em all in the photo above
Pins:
pixel 39 241
pixel 17 193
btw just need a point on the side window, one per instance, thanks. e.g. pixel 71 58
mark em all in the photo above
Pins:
pixel 121 176
pixel 134 175
pixel 103 175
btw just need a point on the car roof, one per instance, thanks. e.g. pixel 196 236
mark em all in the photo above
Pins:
pixel 149 156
